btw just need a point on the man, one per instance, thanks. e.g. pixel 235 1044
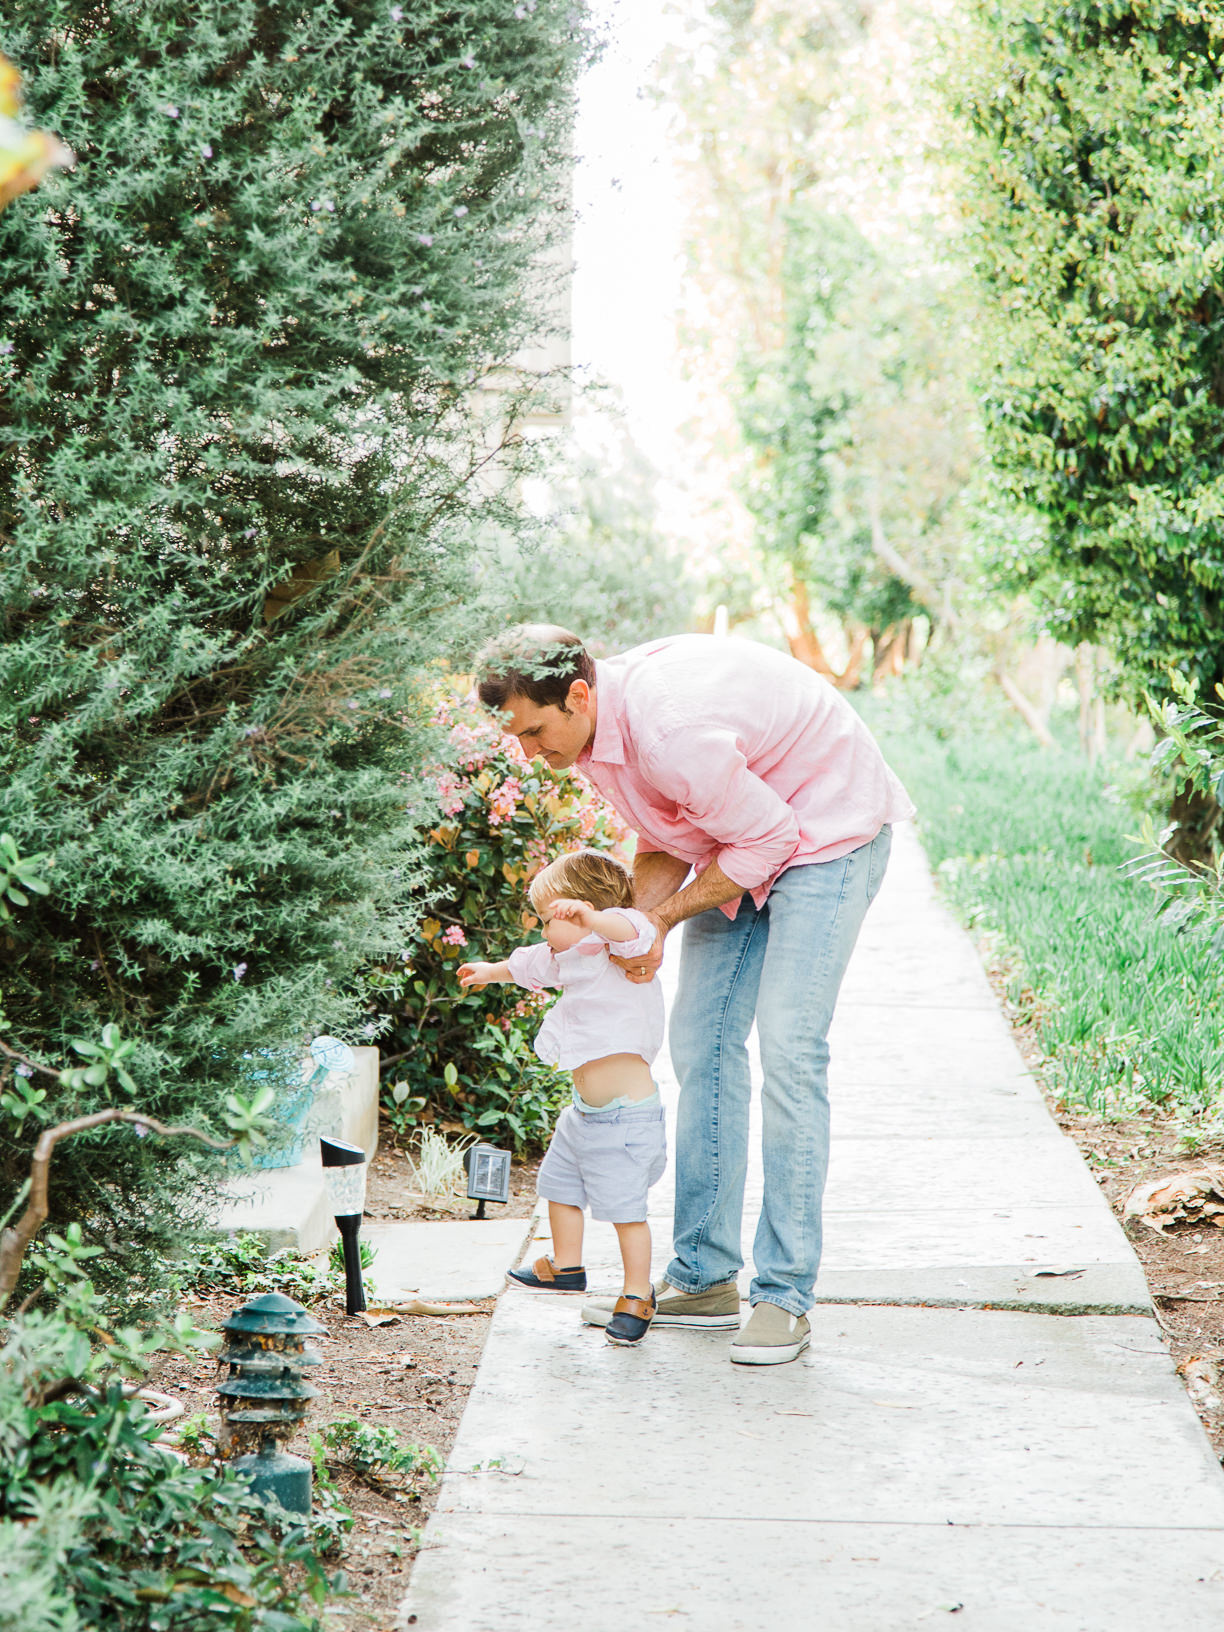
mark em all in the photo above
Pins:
pixel 745 768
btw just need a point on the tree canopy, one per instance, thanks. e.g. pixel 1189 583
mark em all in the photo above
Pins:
pixel 1094 163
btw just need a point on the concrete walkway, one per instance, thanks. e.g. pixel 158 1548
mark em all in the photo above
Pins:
pixel 987 1426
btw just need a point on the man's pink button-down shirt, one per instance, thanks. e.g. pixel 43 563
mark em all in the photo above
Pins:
pixel 724 750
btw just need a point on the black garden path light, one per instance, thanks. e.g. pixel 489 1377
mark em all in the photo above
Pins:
pixel 264 1397
pixel 344 1173
pixel 488 1171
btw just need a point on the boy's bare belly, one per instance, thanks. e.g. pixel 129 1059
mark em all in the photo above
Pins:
pixel 599 1081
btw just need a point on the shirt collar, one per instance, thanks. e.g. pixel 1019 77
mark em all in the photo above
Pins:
pixel 608 745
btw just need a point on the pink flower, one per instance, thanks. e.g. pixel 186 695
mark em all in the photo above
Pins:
pixel 505 801
pixel 451 793
pixel 454 936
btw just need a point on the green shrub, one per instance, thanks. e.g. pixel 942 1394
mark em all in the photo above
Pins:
pixel 239 468
pixel 1091 132
pixel 598 559
pixel 469 1056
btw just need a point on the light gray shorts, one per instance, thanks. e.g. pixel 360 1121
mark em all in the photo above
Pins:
pixel 605 1160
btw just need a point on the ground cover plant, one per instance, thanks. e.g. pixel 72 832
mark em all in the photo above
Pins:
pixel 100 1526
pixel 1031 847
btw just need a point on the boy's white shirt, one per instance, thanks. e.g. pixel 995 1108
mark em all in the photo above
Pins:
pixel 600 1012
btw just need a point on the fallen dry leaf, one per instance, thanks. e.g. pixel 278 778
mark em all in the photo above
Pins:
pixel 379 1317
pixel 420 1306
pixel 1192 1197
pixel 1202 1377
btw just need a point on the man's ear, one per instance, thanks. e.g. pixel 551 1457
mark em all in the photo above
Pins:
pixel 578 697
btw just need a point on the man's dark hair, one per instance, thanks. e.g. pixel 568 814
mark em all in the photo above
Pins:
pixel 539 661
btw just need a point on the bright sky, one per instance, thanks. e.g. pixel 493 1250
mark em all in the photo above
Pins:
pixel 627 283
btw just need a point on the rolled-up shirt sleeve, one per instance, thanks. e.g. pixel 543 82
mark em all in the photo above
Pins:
pixel 706 773
pixel 643 940
pixel 534 966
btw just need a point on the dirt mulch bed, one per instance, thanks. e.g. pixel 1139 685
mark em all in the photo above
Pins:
pixel 413 1376
pixel 1184 1265
pixel 391 1192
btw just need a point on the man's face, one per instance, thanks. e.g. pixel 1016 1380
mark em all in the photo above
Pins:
pixel 546 732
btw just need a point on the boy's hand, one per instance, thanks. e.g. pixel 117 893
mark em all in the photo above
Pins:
pixel 475 975
pixel 577 912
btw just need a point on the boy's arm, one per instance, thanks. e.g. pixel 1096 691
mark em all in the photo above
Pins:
pixel 484 974
pixel 619 924
pixel 534 967
pixel 611 925
pixel 629 932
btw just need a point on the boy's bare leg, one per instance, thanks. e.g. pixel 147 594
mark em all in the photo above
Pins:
pixel 635 1252
pixel 565 1223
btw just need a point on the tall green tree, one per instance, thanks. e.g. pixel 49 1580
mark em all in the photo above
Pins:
pixel 1094 152
pixel 861 428
pixel 834 326
pixel 238 472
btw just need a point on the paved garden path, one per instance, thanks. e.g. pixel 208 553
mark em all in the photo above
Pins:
pixel 986 1432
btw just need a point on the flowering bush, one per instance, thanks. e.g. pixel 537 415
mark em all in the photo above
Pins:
pixel 465 1059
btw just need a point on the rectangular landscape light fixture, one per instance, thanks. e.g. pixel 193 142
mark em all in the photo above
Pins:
pixel 488 1171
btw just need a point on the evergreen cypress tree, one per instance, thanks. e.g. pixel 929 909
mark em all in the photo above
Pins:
pixel 238 345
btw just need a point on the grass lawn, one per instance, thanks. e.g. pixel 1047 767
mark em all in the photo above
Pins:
pixel 1027 844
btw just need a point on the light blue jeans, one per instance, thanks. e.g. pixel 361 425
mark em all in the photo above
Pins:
pixel 781 966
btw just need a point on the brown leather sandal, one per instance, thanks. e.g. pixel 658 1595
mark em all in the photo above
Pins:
pixel 631 1320
pixel 544 1276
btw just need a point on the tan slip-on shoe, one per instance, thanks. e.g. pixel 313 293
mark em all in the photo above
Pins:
pixel 771 1336
pixel 715 1309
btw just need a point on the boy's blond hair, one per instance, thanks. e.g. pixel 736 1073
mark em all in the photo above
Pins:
pixel 586 875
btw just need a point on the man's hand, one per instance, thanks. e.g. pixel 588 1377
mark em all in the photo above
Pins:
pixel 711 888
pixel 645 966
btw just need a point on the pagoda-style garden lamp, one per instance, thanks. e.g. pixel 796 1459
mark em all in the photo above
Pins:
pixel 344 1173
pixel 264 1397
pixel 488 1171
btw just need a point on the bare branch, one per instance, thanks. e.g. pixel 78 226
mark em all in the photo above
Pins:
pixel 912 576
pixel 14 1239
pixel 34 1065
pixel 1025 709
